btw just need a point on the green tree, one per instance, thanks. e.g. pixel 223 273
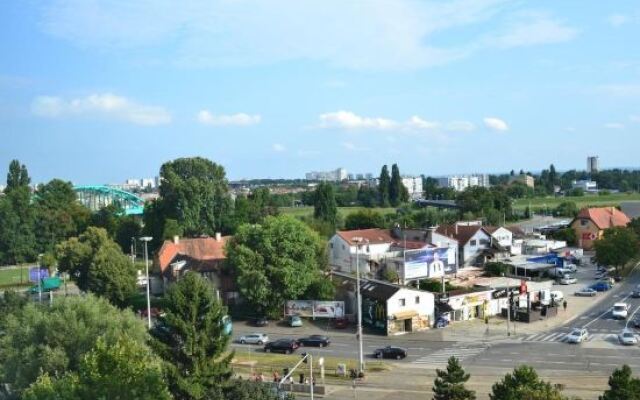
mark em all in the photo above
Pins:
pixel 497 269
pixel 123 370
pixel 108 218
pixel 275 261
pixel 367 196
pixel 171 228
pixel 390 275
pixel 524 384
pixel 384 188
pixel 17 177
pixel 54 340
pixel 449 384
pixel 567 209
pixel 324 204
pixel 397 192
pixel 194 192
pixel 129 228
pixel 320 289
pixel 622 385
pixel 192 341
pixel 247 390
pixel 364 219
pixel 97 265
pixel 618 246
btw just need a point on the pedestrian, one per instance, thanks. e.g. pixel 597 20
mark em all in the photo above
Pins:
pixel 564 305
pixel 276 376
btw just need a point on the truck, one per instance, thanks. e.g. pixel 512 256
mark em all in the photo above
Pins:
pixel 47 285
pixel 559 272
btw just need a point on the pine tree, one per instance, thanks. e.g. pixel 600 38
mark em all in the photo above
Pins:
pixel 622 386
pixel 383 187
pixel 324 204
pixel 17 176
pixel 397 191
pixel 449 384
pixel 191 340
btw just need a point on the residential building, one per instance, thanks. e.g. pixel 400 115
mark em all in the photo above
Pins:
pixel 585 185
pixel 414 187
pixel 590 224
pixel 473 241
pixel 205 255
pixel 525 179
pixel 369 245
pixel 337 175
pixel 593 164
pixel 460 183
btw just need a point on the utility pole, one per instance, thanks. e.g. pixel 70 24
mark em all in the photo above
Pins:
pixel 147 239
pixel 359 305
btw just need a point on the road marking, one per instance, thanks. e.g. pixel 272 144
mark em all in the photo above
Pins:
pixel 604 313
pixel 441 356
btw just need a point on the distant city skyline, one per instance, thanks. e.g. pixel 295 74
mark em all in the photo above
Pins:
pixel 97 92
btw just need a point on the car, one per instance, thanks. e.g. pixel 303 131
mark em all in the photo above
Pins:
pixel 620 311
pixel 636 292
pixel 570 267
pixel 286 346
pixel 557 295
pixel 577 335
pixel 586 292
pixel 601 286
pixel 627 337
pixel 340 323
pixel 636 323
pixel 314 340
pixel 568 280
pixel 295 321
pixel 391 352
pixel 260 321
pixel 254 338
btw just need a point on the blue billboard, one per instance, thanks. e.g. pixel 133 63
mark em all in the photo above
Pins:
pixel 428 262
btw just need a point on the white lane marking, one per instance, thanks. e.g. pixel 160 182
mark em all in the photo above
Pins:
pixel 443 355
pixel 604 313
pixel 626 325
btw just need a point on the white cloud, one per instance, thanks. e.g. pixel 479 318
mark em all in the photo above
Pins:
pixel 105 105
pixel 204 33
pixel 614 125
pixel 419 123
pixel 496 124
pixel 617 20
pixel 206 117
pixel 277 147
pixel 460 126
pixel 349 120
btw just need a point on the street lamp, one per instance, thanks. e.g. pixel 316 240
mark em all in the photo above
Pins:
pixel 147 239
pixel 358 242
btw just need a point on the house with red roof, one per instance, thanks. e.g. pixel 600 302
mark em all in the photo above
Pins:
pixel 590 224
pixel 473 241
pixel 205 255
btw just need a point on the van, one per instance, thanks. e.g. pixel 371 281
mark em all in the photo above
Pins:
pixel 558 272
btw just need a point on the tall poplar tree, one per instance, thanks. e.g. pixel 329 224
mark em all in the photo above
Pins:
pixel 383 187
pixel 324 204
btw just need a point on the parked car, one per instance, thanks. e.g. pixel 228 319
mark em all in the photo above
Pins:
pixel 627 337
pixel 286 346
pixel 570 267
pixel 391 352
pixel 586 292
pixel 295 321
pixel 254 338
pixel 314 340
pixel 260 321
pixel 620 311
pixel 578 335
pixel 636 292
pixel 601 286
pixel 340 323
pixel 568 280
pixel 635 323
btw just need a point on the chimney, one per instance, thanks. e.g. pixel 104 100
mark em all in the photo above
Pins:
pixel 176 239
pixel 218 237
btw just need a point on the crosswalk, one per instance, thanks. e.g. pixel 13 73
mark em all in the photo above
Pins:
pixel 440 357
pixel 561 337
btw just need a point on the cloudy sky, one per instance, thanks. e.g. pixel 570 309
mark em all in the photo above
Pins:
pixel 99 91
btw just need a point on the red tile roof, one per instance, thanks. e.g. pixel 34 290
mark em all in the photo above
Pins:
pixel 463 233
pixel 374 236
pixel 206 249
pixel 604 217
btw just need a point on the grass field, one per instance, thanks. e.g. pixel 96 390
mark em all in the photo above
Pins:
pixel 14 276
pixel 582 201
pixel 344 211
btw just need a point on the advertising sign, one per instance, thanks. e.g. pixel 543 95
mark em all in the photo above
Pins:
pixel 36 274
pixel 427 262
pixel 311 308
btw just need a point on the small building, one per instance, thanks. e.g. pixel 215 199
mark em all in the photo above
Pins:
pixel 590 224
pixel 205 255
pixel 413 185
pixel 525 179
pixel 370 246
pixel 472 240
pixel 585 185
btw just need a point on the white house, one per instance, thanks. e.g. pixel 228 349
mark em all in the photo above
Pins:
pixel 414 186
pixel 472 240
pixel 371 246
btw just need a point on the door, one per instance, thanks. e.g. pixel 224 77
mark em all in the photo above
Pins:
pixel 407 325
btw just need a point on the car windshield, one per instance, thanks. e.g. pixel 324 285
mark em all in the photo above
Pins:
pixel 575 332
pixel 627 335
pixel 619 308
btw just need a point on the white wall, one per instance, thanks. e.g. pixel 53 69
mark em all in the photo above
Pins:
pixel 425 307
pixel 503 237
pixel 342 255
pixel 471 251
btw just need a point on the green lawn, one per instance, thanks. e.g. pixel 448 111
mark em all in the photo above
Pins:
pixel 582 201
pixel 10 276
pixel 344 211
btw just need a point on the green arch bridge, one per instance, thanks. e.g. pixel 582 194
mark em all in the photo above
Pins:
pixel 96 197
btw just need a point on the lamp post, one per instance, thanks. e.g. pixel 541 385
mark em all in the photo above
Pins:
pixel 40 277
pixel 358 242
pixel 147 239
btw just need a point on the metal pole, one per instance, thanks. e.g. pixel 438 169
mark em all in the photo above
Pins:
pixel 508 316
pixel 358 301
pixel 311 374
pixel 146 261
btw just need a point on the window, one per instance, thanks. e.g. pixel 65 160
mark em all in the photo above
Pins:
pixel 484 241
pixel 402 302
pixel 473 243
pixel 584 222
pixel 417 299
pixel 343 247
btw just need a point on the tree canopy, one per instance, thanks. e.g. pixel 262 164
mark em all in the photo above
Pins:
pixel 617 247
pixel 524 384
pixel 384 184
pixel 324 204
pixel 622 385
pixel 449 383
pixel 275 261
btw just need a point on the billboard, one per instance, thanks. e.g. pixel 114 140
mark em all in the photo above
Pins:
pixel 428 262
pixel 313 308
pixel 36 274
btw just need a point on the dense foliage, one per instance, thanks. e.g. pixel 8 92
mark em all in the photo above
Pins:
pixel 324 204
pixel 618 246
pixel 449 383
pixel 524 383
pixel 622 385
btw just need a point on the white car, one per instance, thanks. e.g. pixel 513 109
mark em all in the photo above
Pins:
pixel 254 338
pixel 620 311
pixel 578 335
pixel 557 296
pixel 627 337
pixel 568 280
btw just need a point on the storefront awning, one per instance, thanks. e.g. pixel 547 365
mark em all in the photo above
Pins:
pixel 405 314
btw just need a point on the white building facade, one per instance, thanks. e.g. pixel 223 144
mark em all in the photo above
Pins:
pixel 414 187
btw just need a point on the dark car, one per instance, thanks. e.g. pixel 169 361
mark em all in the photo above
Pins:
pixel 601 286
pixel 314 340
pixel 391 352
pixel 635 323
pixel 636 292
pixel 260 321
pixel 340 323
pixel 286 346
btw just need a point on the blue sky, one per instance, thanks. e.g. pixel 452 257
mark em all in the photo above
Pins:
pixel 98 91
